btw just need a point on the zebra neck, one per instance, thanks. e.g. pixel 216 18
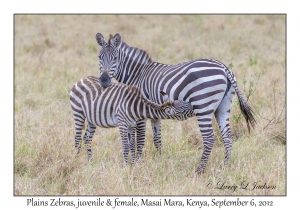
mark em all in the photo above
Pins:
pixel 133 62
pixel 152 113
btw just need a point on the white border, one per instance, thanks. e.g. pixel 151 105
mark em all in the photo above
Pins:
pixel 154 6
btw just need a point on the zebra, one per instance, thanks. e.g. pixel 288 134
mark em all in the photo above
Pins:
pixel 117 105
pixel 207 84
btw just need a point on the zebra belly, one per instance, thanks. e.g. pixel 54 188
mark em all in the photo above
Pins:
pixel 107 121
pixel 102 118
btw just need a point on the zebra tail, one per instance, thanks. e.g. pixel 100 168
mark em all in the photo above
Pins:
pixel 246 110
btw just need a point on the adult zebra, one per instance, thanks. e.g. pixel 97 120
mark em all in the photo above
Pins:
pixel 116 105
pixel 207 84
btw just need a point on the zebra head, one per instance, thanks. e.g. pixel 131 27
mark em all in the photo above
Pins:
pixel 108 56
pixel 178 109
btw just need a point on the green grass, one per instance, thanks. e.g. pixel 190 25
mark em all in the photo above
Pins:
pixel 52 52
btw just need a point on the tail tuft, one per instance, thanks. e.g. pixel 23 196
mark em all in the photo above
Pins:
pixel 247 112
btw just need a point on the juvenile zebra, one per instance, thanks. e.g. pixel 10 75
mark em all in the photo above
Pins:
pixel 117 105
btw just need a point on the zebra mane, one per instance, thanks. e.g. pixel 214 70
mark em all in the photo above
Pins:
pixel 125 47
pixel 132 89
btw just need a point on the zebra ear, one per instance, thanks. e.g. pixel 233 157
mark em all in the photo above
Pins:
pixel 165 96
pixel 117 40
pixel 100 39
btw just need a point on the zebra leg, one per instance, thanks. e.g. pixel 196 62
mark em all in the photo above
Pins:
pixel 131 137
pixel 140 136
pixel 222 115
pixel 156 128
pixel 124 135
pixel 79 122
pixel 205 125
pixel 88 136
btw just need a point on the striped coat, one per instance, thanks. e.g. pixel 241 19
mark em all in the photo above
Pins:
pixel 207 84
pixel 117 105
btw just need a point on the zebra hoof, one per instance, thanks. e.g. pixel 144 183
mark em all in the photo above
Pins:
pixel 132 162
pixel 227 164
pixel 77 153
pixel 90 158
pixel 124 165
pixel 200 171
pixel 138 159
pixel 159 151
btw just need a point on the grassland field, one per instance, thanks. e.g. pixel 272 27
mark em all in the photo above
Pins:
pixel 52 52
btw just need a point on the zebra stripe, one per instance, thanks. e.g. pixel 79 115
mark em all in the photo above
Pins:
pixel 117 105
pixel 206 83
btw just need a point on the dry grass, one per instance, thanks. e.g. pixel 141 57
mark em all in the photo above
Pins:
pixel 53 52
